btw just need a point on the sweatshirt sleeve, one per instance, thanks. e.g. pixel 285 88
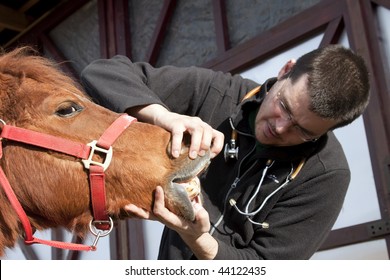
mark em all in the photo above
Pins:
pixel 118 84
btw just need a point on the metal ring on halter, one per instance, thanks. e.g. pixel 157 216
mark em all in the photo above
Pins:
pixel 99 233
pixel 94 230
pixel 2 121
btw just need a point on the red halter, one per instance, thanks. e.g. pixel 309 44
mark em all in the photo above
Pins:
pixel 100 220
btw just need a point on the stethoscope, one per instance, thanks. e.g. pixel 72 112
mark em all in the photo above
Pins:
pixel 231 152
pixel 249 214
pixel 246 212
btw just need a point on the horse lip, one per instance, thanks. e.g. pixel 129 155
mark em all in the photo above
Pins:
pixel 190 173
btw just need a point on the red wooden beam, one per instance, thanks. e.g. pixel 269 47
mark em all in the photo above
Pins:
pixel 333 32
pixel 354 234
pixel 45 25
pixel 114 28
pixel 159 33
pixel 285 34
pixel 384 3
pixel 377 116
pixel 221 26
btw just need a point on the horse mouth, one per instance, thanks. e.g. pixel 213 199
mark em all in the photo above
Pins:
pixel 192 187
pixel 185 189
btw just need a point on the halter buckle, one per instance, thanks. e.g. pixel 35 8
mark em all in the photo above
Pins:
pixel 107 160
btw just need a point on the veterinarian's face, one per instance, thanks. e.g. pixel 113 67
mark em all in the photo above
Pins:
pixel 284 118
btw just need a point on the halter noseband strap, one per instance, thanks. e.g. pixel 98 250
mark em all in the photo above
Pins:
pixel 101 219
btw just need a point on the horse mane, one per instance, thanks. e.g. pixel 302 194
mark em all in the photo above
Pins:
pixel 25 62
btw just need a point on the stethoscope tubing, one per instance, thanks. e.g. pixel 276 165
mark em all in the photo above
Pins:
pixel 291 176
pixel 253 213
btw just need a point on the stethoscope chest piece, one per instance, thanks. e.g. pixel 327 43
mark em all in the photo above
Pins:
pixel 231 150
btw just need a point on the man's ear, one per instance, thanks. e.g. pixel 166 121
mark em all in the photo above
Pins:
pixel 286 68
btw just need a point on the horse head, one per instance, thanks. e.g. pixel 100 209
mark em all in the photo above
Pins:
pixel 53 187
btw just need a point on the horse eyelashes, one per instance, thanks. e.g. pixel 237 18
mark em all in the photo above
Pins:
pixel 69 110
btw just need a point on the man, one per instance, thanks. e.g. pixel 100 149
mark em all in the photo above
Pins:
pixel 279 195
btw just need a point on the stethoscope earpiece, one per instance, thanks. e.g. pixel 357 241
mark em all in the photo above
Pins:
pixel 232 203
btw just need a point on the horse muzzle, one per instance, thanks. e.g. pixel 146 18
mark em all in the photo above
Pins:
pixel 184 189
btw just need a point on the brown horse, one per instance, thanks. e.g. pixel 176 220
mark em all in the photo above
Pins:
pixel 53 187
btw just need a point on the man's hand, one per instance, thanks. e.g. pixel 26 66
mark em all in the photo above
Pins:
pixel 195 234
pixel 203 136
pixel 171 220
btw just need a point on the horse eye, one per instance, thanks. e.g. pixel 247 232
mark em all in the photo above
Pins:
pixel 68 111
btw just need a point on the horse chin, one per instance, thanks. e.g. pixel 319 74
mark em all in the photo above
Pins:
pixel 184 190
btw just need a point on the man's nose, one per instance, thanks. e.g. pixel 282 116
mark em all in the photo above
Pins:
pixel 282 125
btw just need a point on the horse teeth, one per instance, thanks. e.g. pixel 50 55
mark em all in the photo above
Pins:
pixel 192 187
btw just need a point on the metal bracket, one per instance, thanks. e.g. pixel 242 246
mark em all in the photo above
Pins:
pixel 379 228
pixel 87 162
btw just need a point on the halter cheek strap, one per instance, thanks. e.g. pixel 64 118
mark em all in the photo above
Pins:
pixel 85 152
pixel 96 170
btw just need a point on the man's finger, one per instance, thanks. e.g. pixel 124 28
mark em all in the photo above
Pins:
pixel 196 139
pixel 138 212
pixel 177 139
pixel 218 140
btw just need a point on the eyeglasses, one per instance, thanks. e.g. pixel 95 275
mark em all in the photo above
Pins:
pixel 287 116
